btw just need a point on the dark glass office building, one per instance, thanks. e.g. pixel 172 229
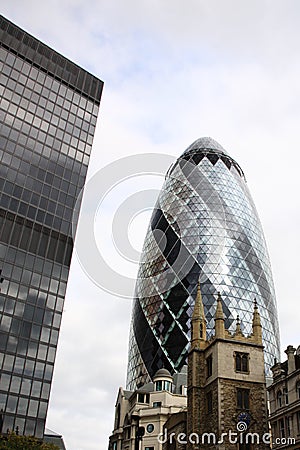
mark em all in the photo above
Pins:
pixel 49 108
pixel 204 227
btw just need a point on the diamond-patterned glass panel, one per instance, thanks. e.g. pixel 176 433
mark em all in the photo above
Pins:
pixel 205 226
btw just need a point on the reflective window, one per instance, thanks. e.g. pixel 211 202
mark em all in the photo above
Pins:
pixel 11 404
pixel 242 362
pixel 298 389
pixel 15 384
pixel 158 386
pixel 279 398
pixel 5 381
pixel 23 405
pixel 242 398
pixel 8 362
pixel 33 408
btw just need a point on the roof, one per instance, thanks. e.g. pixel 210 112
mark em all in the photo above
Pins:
pixel 49 432
pixel 162 373
pixel 206 143
pixel 208 147
pixel 41 55
pixel 127 394
pixel 54 438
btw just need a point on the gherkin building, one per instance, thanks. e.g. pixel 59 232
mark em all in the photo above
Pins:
pixel 204 227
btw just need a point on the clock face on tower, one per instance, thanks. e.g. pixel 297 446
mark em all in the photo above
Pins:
pixel 243 418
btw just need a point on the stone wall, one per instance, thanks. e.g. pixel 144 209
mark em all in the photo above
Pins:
pixel 175 424
pixel 230 418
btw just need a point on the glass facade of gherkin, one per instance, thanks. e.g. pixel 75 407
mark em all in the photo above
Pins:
pixel 204 227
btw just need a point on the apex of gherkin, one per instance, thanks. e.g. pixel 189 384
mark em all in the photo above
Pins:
pixel 207 147
pixel 206 143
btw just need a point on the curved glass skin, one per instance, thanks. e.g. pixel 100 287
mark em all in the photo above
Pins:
pixel 204 226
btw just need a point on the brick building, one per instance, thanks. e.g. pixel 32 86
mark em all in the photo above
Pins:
pixel 284 394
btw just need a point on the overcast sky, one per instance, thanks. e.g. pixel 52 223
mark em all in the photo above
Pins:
pixel 174 71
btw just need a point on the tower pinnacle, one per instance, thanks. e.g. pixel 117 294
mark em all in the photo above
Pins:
pixel 219 319
pixel 238 330
pixel 256 324
pixel 198 321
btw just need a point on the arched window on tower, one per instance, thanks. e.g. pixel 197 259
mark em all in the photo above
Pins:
pixel 298 389
pixel 159 385
pixel 279 398
pixel 241 362
pixel 201 330
pixel 163 385
pixel 286 396
pixel 245 365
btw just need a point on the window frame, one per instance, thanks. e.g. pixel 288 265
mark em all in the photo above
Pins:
pixel 243 399
pixel 279 398
pixel 209 363
pixel 285 394
pixel 282 428
pixel 241 362
pixel 209 402
pixel 298 389
pixel 298 421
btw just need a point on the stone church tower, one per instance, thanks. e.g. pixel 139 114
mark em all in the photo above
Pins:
pixel 226 385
